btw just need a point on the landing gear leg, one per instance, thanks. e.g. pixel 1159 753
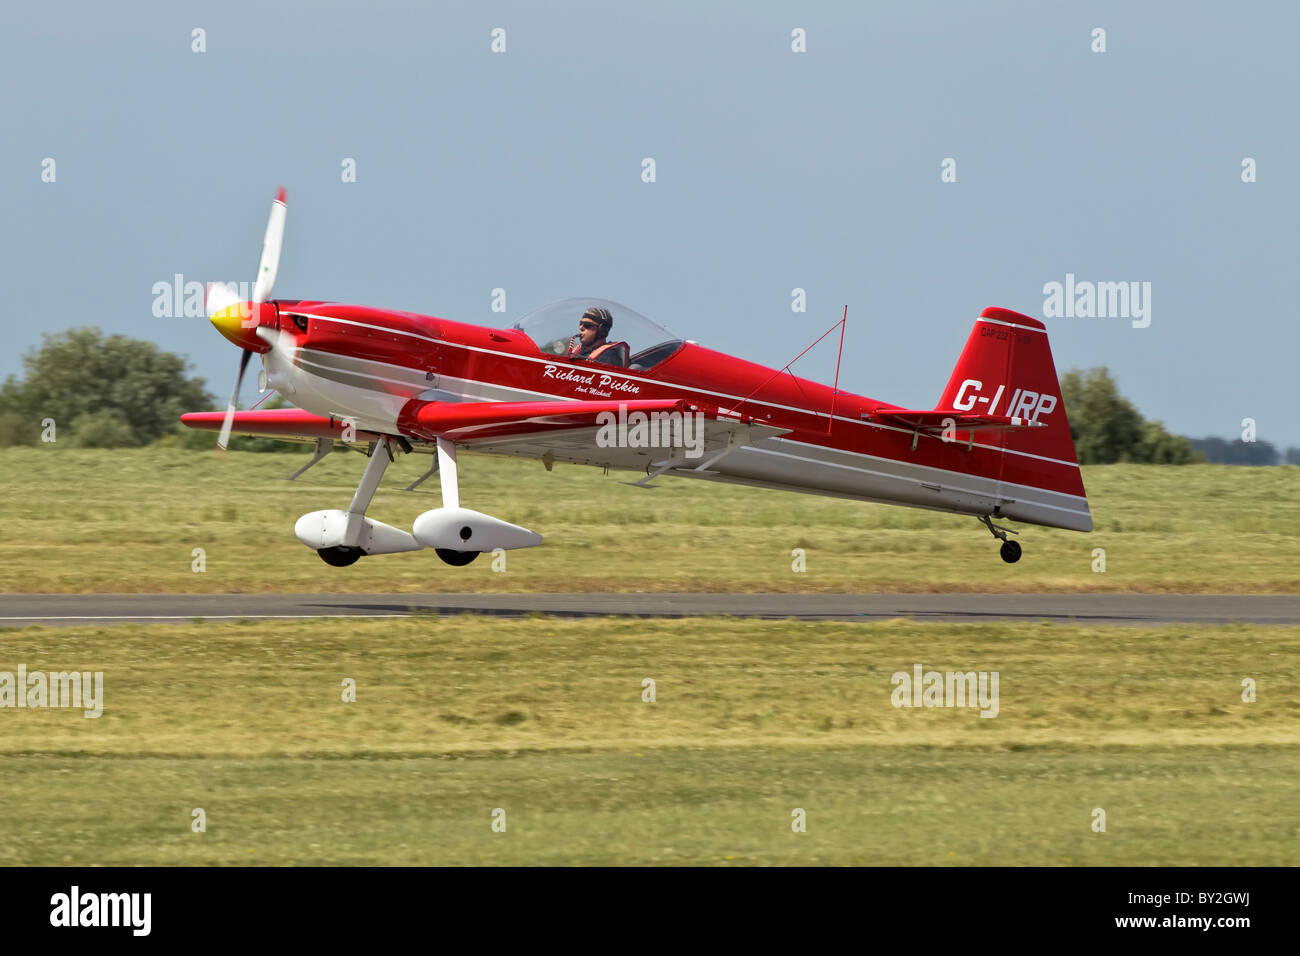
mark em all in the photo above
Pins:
pixel 1010 549
pixel 341 556
pixel 447 474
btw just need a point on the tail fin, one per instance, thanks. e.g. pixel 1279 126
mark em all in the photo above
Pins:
pixel 1007 369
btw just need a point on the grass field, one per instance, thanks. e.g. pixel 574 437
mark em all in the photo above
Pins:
pixel 544 718
pixel 92 520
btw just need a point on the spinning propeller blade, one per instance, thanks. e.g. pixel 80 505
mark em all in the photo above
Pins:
pixel 270 263
pixel 224 438
pixel 220 297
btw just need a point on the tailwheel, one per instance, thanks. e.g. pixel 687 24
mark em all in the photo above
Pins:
pixel 341 556
pixel 457 559
pixel 1010 549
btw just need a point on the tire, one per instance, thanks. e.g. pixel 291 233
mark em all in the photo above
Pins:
pixel 457 559
pixel 1010 551
pixel 340 557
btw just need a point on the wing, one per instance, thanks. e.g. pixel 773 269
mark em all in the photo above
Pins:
pixel 469 423
pixel 656 436
pixel 288 423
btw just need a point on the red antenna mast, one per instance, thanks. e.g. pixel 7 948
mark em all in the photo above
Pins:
pixel 836 390
pixel 786 368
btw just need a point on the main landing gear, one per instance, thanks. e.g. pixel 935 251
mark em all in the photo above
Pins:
pixel 458 535
pixel 1010 549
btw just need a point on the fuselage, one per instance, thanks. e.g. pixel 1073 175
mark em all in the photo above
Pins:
pixel 368 365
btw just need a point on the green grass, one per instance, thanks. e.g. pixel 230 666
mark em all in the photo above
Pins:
pixel 544 718
pixel 95 520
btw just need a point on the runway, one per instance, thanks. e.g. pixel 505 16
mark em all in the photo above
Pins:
pixel 17 610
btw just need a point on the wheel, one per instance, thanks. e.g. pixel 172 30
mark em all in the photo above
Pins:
pixel 340 557
pixel 457 559
pixel 1010 551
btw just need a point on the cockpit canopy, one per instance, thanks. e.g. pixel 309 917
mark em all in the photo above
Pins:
pixel 554 327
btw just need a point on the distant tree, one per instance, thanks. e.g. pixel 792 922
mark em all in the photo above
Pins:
pixel 102 391
pixel 1238 452
pixel 1266 453
pixel 18 429
pixel 1159 447
pixel 1213 449
pixel 1293 456
pixel 102 429
pixel 1108 428
pixel 1105 426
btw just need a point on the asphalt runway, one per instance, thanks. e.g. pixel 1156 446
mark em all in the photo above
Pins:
pixel 18 610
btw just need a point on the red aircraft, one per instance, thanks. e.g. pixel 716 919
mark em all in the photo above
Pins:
pixel 590 382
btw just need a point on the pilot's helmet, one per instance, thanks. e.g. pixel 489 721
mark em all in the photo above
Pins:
pixel 601 317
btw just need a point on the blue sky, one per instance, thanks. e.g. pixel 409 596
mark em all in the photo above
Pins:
pixel 775 170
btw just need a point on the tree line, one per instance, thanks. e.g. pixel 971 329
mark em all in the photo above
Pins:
pixel 108 391
pixel 1107 428
pixel 111 391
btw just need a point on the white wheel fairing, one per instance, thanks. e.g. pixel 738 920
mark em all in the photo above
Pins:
pixel 447 528
pixel 339 529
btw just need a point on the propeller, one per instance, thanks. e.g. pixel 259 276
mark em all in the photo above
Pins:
pixel 220 298
pixel 224 438
pixel 270 264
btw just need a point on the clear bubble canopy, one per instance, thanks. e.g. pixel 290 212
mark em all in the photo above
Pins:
pixel 554 328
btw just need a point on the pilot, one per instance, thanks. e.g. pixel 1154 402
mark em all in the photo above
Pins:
pixel 590 343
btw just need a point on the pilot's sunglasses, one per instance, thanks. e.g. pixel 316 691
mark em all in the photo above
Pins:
pixel 587 325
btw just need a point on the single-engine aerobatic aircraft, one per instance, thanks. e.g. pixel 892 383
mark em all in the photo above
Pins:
pixel 626 394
